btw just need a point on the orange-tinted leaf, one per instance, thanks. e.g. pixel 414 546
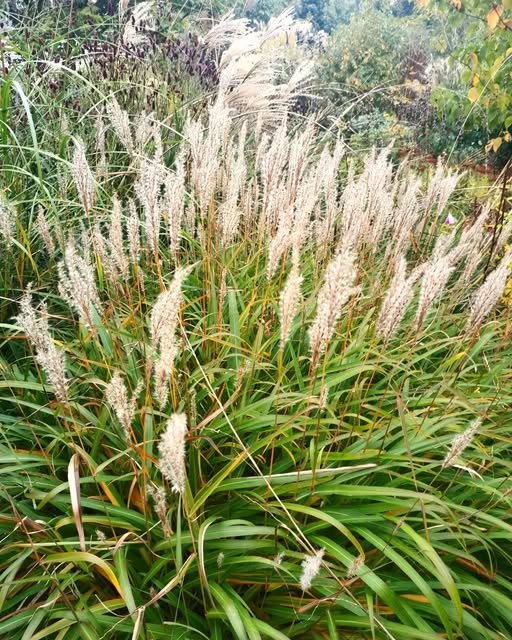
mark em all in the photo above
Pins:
pixel 474 59
pixel 473 94
pixel 456 4
pixel 493 144
pixel 494 15
pixel 507 137
pixel 422 3
pixel 476 80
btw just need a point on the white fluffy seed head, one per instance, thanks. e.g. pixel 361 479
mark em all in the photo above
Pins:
pixel 310 569
pixel 172 452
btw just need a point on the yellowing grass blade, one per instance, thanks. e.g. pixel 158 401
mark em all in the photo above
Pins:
pixel 88 558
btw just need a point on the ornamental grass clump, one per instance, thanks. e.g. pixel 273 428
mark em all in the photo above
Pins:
pixel 274 338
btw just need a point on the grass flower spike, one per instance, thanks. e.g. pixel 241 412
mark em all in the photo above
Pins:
pixel 171 449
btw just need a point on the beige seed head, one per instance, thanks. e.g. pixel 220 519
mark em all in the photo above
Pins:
pixel 460 443
pixel 51 359
pixel 172 452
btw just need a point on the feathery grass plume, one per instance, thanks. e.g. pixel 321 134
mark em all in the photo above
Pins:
pixel 174 203
pixel 504 234
pixel 103 253
pixel 172 452
pixel 397 300
pixel 7 219
pixel 460 443
pixel 116 238
pixel 77 284
pixel 435 276
pixel 82 175
pixel 439 190
pixel 101 131
pixel 271 166
pixel 235 174
pixel 44 231
pixel 148 188
pixel 488 294
pixel 310 569
pixel 327 178
pixel 404 218
pixel 143 131
pixel 336 290
pixel 116 395
pixel 164 323
pixel 225 31
pixel 51 359
pixel 132 231
pixel 289 301
pixel 254 68
pixel 121 123
pixel 159 498
pixel 298 156
pixel 469 244
pixel 204 151
pixel 281 240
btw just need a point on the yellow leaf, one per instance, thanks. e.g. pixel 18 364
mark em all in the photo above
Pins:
pixel 476 80
pixel 507 4
pixel 495 143
pixel 474 59
pixel 456 4
pixel 494 15
pixel 422 3
pixel 473 94
pixel 507 137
